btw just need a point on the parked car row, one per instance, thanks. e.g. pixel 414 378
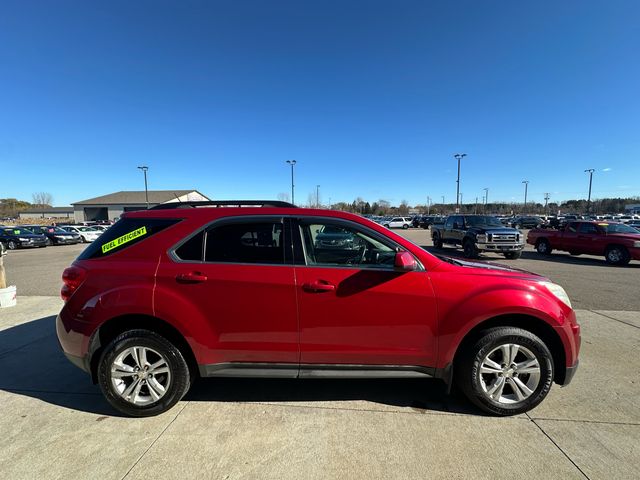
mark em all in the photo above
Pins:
pixel 40 236
pixel 619 243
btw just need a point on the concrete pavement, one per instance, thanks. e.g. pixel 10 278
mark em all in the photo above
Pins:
pixel 55 423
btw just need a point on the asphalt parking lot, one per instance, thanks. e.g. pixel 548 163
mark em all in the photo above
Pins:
pixel 55 423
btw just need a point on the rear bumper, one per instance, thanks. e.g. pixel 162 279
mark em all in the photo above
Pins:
pixel 569 373
pixel 81 362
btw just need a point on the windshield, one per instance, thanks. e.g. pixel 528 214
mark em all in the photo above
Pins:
pixel 87 229
pixel 483 221
pixel 618 228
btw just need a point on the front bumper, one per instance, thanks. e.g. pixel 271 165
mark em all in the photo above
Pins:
pixel 569 373
pixel 500 247
pixel 635 253
pixel 32 244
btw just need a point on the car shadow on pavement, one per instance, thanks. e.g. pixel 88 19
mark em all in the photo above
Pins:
pixel 33 365
pixel 420 395
pixel 529 255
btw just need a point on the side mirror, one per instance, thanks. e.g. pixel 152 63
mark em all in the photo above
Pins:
pixel 405 262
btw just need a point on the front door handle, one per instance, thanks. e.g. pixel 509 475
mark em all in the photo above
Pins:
pixel 191 277
pixel 318 286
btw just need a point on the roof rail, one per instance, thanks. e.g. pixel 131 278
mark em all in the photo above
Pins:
pixel 224 203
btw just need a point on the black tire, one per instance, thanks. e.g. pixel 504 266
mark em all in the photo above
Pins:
pixel 437 241
pixel 180 377
pixel 405 226
pixel 543 247
pixel 386 225
pixel 469 249
pixel 470 379
pixel 513 255
pixel 82 239
pixel 11 245
pixel 617 255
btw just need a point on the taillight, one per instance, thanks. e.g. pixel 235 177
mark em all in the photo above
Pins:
pixel 72 278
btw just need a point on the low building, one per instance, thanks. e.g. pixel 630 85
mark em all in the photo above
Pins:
pixel 46 212
pixel 111 206
pixel 633 208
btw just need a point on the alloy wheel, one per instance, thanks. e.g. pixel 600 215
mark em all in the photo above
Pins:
pixel 510 373
pixel 140 375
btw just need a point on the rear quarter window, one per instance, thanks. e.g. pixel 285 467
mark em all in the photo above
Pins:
pixel 125 233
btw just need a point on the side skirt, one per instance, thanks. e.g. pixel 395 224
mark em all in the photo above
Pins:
pixel 288 370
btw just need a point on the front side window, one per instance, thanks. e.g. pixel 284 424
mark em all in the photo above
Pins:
pixel 251 242
pixel 336 244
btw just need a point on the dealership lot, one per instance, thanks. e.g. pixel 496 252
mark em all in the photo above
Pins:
pixel 56 424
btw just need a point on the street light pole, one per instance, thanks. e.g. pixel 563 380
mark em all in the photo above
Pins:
pixel 144 169
pixel 292 163
pixel 486 199
pixel 317 196
pixel 526 185
pixel 590 170
pixel 546 202
pixel 458 156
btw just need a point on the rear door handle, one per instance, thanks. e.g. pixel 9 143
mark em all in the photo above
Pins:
pixel 318 286
pixel 192 277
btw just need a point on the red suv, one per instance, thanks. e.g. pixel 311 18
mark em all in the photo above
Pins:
pixel 265 289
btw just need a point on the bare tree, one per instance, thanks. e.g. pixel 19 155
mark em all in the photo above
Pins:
pixel 42 199
pixel 284 197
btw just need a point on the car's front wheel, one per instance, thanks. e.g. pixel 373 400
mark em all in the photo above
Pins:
pixel 507 371
pixel 142 374
pixel 11 245
pixel 617 255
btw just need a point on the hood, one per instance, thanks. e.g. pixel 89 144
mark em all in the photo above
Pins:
pixel 493 268
pixel 496 230
pixel 626 236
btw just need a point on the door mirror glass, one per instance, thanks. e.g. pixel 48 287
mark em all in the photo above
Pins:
pixel 405 262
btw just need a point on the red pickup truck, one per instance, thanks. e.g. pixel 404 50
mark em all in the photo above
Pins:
pixel 618 243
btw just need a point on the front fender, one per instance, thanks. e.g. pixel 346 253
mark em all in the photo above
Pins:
pixel 482 303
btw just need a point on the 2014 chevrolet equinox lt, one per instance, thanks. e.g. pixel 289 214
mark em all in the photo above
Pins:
pixel 173 293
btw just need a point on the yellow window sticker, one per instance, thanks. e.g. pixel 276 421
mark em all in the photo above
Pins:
pixel 124 239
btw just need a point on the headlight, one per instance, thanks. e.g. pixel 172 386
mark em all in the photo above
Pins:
pixel 557 292
pixel 481 238
pixel 60 237
pixel 636 244
pixel 23 239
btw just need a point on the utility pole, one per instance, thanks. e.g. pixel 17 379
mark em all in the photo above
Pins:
pixel 590 170
pixel 317 196
pixel 144 169
pixel 546 202
pixel 486 199
pixel 292 163
pixel 428 204
pixel 526 185
pixel 476 209
pixel 458 156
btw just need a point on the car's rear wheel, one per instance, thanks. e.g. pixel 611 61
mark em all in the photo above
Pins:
pixel 437 241
pixel 617 255
pixel 543 247
pixel 507 371
pixel 11 245
pixel 142 374
pixel 405 226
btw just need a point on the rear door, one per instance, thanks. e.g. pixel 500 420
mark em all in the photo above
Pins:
pixel 239 274
pixel 354 308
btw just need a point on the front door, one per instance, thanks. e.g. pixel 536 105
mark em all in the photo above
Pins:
pixel 354 308
pixel 237 275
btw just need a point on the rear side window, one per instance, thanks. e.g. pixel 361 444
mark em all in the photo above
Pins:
pixel 251 242
pixel 126 232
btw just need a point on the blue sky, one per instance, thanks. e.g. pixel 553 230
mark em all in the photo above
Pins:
pixel 371 98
